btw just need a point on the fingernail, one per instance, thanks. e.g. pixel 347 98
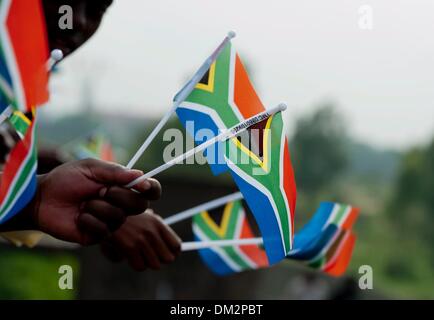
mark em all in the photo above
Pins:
pixel 102 192
pixel 138 172
pixel 146 185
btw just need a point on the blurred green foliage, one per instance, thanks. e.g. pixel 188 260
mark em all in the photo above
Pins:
pixel 26 274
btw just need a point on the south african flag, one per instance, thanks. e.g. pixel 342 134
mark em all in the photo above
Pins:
pixel 331 248
pixel 266 181
pixel 221 99
pixel 23 55
pixel 324 243
pixel 18 182
pixel 95 146
pixel 233 225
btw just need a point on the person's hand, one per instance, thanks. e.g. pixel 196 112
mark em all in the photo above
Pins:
pixel 84 201
pixel 145 241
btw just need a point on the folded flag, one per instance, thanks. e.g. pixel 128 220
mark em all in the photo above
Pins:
pixel 18 182
pixel 331 250
pixel 23 55
pixel 95 146
pixel 324 243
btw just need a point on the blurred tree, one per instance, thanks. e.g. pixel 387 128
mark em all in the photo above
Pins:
pixel 319 149
pixel 415 183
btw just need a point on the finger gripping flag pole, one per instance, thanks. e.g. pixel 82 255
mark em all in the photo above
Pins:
pixel 226 134
pixel 196 245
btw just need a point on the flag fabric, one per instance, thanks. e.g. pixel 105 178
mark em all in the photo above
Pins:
pixel 325 243
pixel 23 86
pixel 23 55
pixel 328 213
pixel 95 146
pixel 18 182
pixel 266 180
pixel 330 251
pixel 222 98
pixel 233 225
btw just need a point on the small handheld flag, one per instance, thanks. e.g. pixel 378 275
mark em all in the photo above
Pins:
pixel 18 183
pixel 23 55
pixel 234 225
pixel 225 135
pixel 180 97
pixel 95 146
pixel 325 242
pixel 223 97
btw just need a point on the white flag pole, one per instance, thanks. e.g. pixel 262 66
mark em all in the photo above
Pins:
pixel 196 245
pixel 203 207
pixel 180 97
pixel 227 134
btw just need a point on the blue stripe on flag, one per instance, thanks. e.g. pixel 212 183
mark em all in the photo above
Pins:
pixel 214 153
pixel 265 218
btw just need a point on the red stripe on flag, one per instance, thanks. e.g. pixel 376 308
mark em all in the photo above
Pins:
pixel 26 27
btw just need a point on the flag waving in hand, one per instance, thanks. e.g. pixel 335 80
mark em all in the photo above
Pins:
pixel 233 225
pixel 267 183
pixel 23 55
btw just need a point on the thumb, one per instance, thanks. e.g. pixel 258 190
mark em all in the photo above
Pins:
pixel 109 172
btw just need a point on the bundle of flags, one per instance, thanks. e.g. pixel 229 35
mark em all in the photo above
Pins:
pixel 23 55
pixel 325 243
pixel 23 86
pixel 219 96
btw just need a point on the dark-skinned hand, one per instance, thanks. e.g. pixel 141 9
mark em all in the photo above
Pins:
pixel 144 241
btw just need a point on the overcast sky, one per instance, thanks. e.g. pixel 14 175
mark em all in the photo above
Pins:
pixel 299 52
